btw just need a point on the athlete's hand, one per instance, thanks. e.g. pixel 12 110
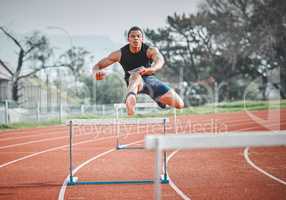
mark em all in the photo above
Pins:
pixel 146 71
pixel 100 75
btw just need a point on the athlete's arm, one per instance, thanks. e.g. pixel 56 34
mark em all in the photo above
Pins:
pixel 109 60
pixel 105 62
pixel 158 61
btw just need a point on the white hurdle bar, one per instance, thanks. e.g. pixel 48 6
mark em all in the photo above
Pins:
pixel 123 121
pixel 202 141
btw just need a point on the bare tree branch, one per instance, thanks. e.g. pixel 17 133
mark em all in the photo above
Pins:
pixel 6 67
pixel 30 74
pixel 39 69
pixel 29 50
pixel 11 37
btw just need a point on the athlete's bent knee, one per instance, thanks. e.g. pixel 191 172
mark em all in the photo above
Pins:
pixel 134 77
pixel 180 104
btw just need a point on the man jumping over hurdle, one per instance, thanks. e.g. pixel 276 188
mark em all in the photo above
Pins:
pixel 140 62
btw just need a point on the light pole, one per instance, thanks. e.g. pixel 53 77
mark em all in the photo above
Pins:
pixel 63 30
pixel 59 93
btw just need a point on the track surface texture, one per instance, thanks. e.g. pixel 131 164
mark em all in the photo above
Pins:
pixel 34 163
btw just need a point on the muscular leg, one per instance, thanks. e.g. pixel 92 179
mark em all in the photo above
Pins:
pixel 135 85
pixel 171 98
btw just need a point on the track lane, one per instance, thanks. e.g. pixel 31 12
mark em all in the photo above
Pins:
pixel 54 184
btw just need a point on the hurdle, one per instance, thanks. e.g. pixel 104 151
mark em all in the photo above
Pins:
pixel 119 106
pixel 161 143
pixel 73 180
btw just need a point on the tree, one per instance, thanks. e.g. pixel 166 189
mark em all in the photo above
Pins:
pixel 229 40
pixel 34 48
pixel 75 60
pixel 269 37
pixel 186 46
pixel 228 23
pixel 250 36
pixel 184 43
pixel 108 91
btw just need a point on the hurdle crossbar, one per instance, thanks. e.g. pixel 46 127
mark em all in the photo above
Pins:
pixel 123 121
pixel 202 141
pixel 82 122
pixel 79 122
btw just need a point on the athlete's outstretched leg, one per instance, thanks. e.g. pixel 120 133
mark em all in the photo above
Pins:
pixel 135 85
pixel 171 98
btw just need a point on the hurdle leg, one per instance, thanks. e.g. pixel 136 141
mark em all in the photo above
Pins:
pixel 157 181
pixel 70 153
pixel 164 178
pixel 175 120
pixel 117 134
pixel 117 127
pixel 72 180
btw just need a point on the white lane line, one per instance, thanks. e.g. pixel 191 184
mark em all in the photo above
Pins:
pixel 64 186
pixel 28 136
pixel 16 134
pixel 51 149
pixel 268 126
pixel 172 184
pixel 252 164
pixel 234 122
pixel 32 142
pixel 37 141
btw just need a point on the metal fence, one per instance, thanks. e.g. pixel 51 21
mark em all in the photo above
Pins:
pixel 11 113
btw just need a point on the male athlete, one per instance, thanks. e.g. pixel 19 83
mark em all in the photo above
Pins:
pixel 140 62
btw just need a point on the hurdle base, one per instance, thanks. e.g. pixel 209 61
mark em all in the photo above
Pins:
pixel 111 182
pixel 124 146
pixel 164 179
pixel 74 181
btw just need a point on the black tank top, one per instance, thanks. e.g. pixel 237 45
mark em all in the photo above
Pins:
pixel 131 60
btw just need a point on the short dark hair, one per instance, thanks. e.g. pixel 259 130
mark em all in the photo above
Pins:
pixel 134 28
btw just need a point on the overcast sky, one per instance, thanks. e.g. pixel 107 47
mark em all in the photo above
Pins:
pixel 90 17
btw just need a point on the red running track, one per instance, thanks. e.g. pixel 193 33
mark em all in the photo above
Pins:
pixel 34 162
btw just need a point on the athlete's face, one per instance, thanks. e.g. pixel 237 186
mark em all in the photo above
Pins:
pixel 135 39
